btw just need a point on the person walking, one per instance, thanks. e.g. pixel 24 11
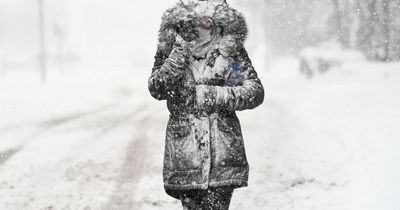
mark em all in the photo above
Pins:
pixel 205 75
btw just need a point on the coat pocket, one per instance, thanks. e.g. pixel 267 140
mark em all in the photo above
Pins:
pixel 229 125
pixel 182 148
pixel 179 126
pixel 230 143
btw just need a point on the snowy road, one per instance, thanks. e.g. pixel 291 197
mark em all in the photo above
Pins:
pixel 77 157
pixel 311 145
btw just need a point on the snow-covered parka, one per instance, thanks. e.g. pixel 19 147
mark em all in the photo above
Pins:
pixel 204 145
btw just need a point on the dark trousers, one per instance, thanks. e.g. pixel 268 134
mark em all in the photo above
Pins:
pixel 212 199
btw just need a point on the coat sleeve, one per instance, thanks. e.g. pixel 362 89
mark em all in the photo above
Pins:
pixel 168 65
pixel 247 95
pixel 159 78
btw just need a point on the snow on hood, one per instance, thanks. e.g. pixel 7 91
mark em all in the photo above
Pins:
pixel 193 12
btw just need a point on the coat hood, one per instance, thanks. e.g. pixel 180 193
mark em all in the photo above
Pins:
pixel 187 13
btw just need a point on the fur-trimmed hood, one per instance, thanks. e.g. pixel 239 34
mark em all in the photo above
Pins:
pixel 188 13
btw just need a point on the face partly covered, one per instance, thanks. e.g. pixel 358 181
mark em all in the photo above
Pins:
pixel 227 45
pixel 207 37
pixel 203 34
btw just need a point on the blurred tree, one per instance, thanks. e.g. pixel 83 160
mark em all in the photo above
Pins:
pixel 340 29
pixel 371 26
pixel 394 30
pixel 42 56
pixel 378 24
pixel 292 25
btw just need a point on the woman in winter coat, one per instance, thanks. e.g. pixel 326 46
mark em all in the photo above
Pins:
pixel 204 73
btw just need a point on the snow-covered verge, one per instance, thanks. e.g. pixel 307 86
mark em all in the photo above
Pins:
pixel 96 142
pixel 330 142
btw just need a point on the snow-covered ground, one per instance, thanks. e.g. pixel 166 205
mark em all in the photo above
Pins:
pixel 329 143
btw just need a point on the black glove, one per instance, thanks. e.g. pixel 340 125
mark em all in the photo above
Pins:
pixel 187 30
pixel 189 95
pixel 178 59
pixel 176 63
pixel 181 51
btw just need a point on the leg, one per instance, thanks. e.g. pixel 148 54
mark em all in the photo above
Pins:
pixel 218 198
pixel 192 199
pixel 212 199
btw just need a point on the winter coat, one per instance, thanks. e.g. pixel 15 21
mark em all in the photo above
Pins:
pixel 204 145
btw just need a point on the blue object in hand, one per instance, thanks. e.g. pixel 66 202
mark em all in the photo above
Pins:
pixel 236 67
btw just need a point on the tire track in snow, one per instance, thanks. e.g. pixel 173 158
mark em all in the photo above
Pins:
pixel 122 197
pixel 136 159
pixel 110 127
pixel 56 121
pixel 112 121
pixel 4 156
pixel 47 126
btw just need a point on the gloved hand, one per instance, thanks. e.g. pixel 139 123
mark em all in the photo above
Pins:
pixel 181 51
pixel 187 93
pixel 178 59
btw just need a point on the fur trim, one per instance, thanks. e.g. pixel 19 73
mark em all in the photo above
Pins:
pixel 191 13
